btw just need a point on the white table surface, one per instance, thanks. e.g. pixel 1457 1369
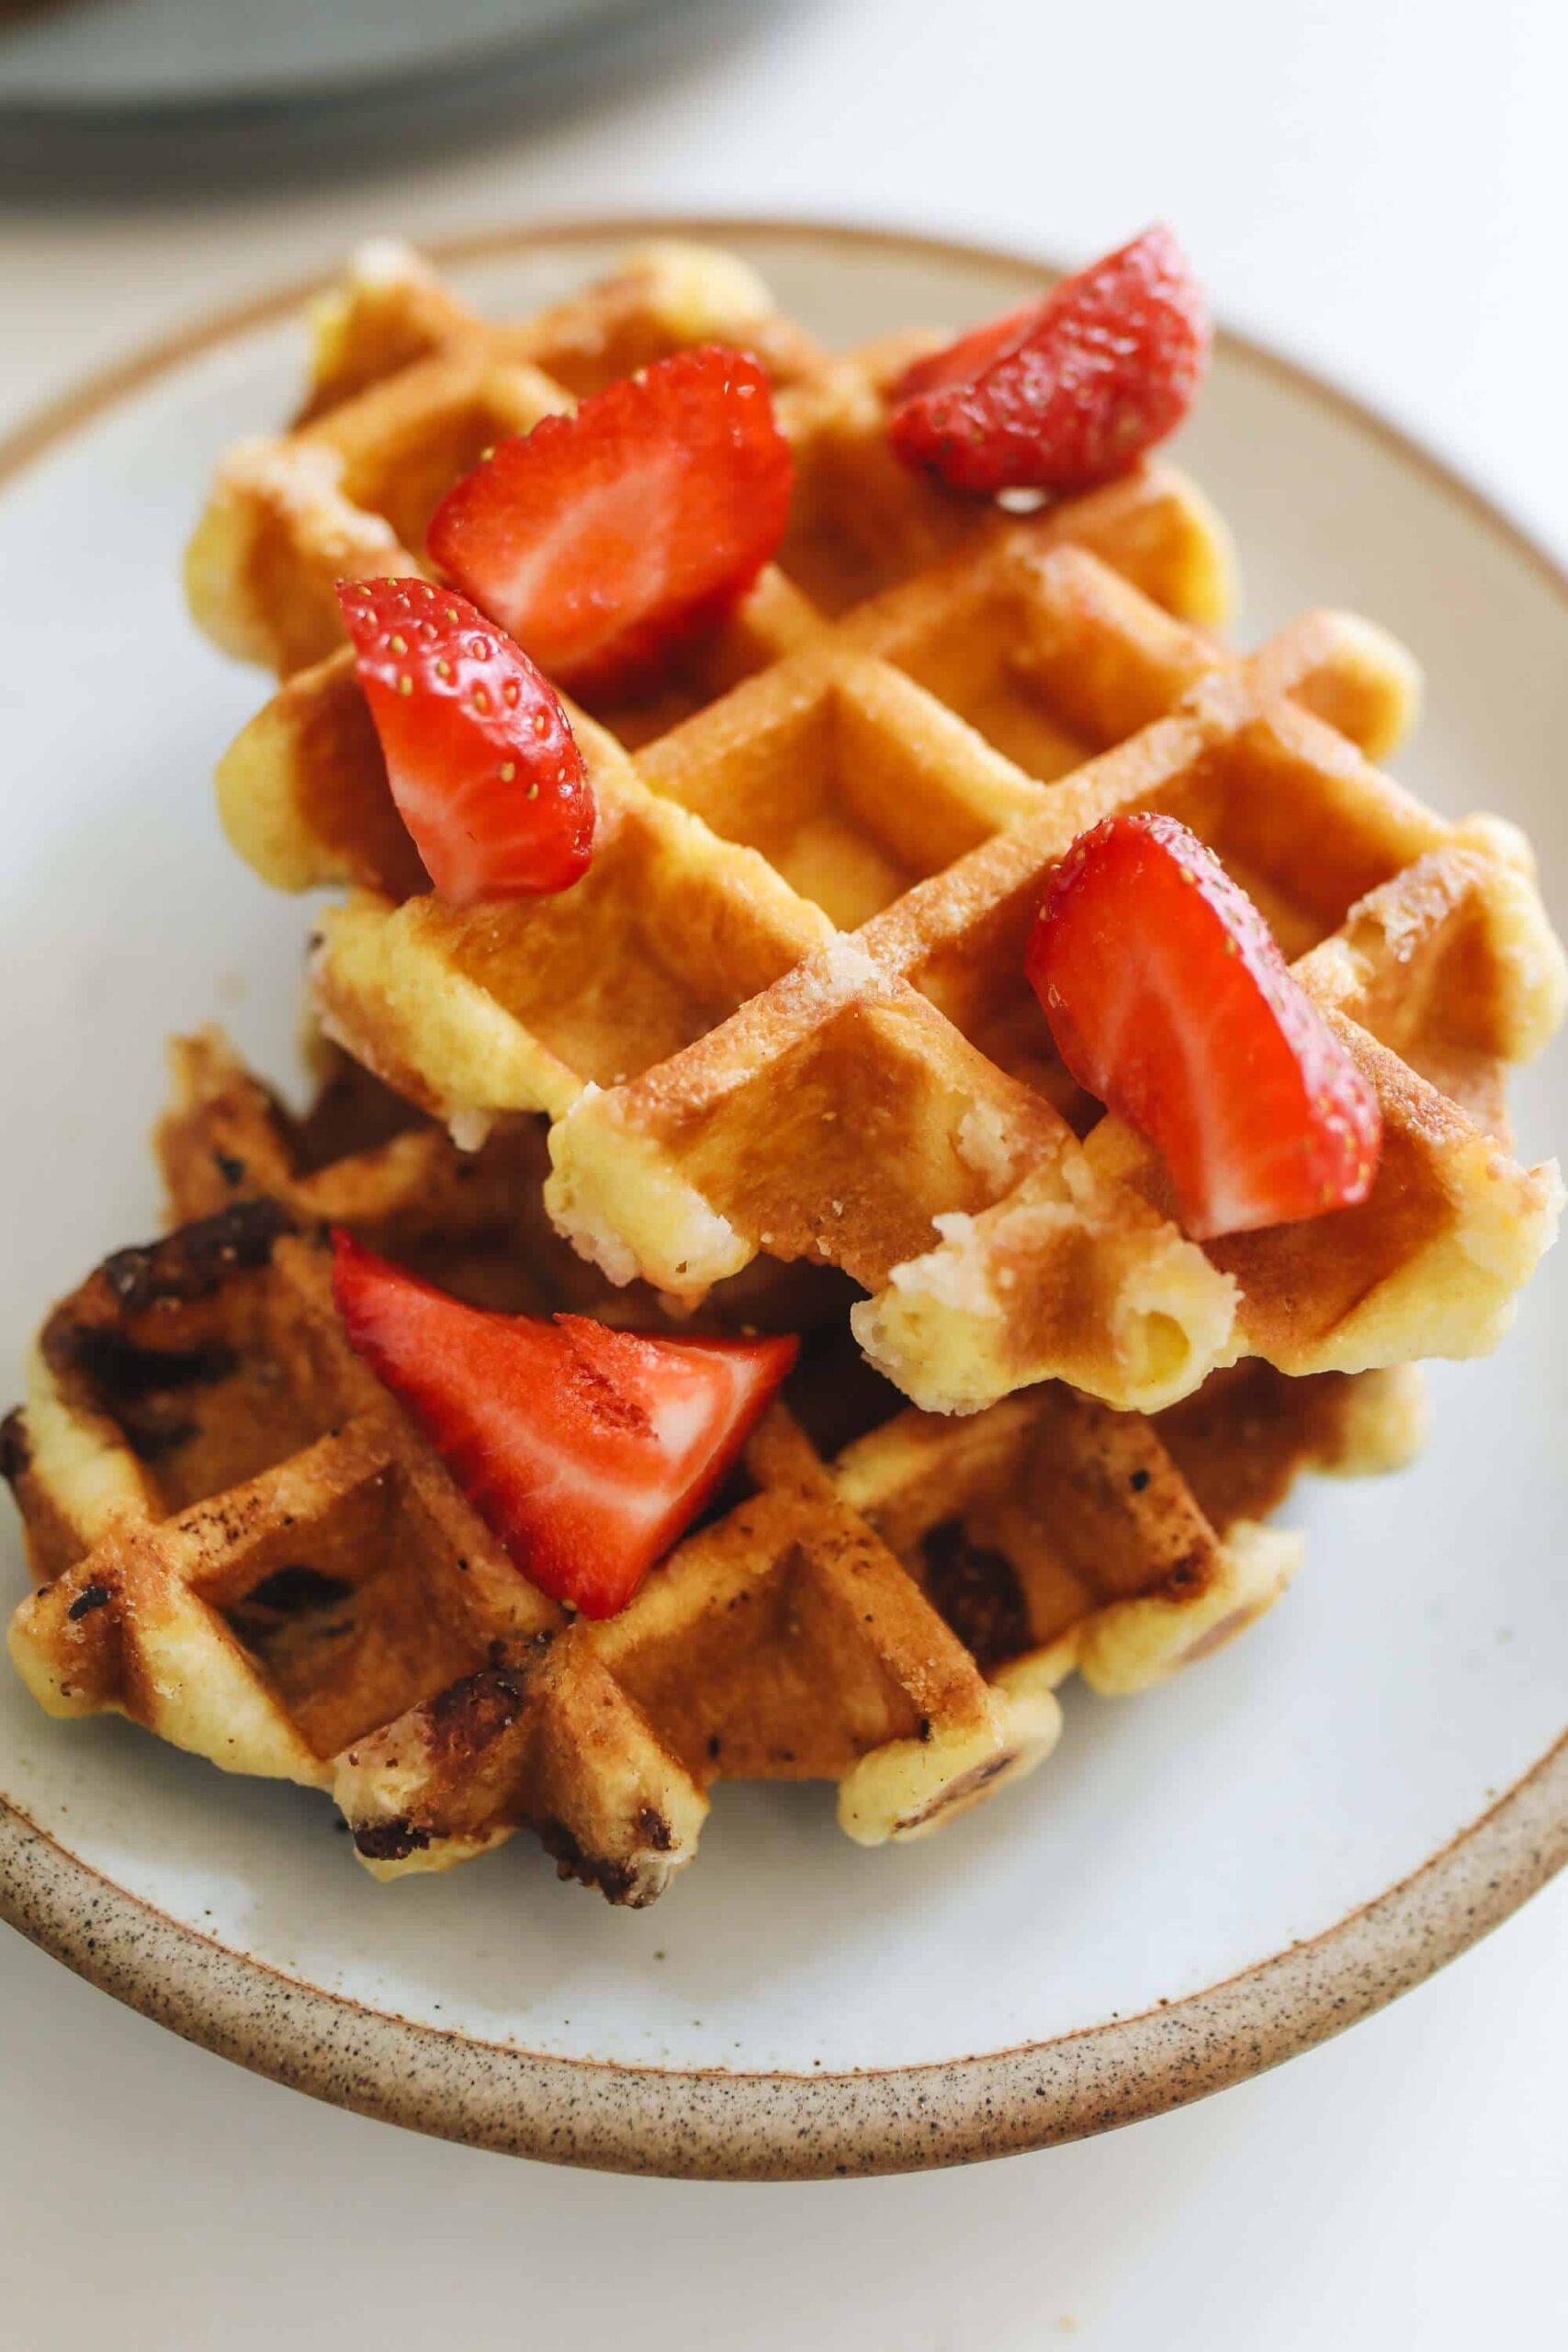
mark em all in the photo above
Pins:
pixel 1379 186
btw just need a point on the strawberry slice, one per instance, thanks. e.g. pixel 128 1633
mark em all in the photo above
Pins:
pixel 586 1450
pixel 1069 392
pixel 1168 999
pixel 480 756
pixel 605 539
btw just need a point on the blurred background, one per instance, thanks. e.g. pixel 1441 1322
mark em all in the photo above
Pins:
pixel 1378 186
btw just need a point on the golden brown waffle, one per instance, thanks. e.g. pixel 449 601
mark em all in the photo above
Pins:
pixel 785 1014
pixel 243 1544
pixel 726 1137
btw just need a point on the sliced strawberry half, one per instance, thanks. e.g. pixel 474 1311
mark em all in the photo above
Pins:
pixel 604 539
pixel 1168 999
pixel 586 1450
pixel 480 756
pixel 1069 392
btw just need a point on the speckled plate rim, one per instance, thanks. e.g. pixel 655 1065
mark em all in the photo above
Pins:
pixel 714 2124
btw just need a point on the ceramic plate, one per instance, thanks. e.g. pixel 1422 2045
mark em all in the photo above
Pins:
pixel 1204 1878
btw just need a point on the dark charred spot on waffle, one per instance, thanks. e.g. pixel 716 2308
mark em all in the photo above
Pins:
pixel 653 1829
pixel 615 1880
pixel 126 1373
pixel 389 1841
pixel 288 1590
pixel 1188 1575
pixel 716 1747
pixel 979 1594
pixel 1138 1481
pixel 466 1716
pixel 193 1262
pixel 97 1596
pixel 292 1616
pixel 232 1170
pixel 16 1454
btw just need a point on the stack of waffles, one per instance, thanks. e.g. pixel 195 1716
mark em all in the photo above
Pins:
pixel 771 1064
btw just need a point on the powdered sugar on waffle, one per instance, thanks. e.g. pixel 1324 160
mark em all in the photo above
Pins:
pixel 988 1145
pixel 840 973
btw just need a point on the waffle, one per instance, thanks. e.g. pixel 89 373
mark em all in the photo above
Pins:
pixel 785 1014
pixel 243 1543
pixel 806 886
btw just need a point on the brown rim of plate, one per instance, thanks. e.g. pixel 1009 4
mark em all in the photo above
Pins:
pixel 711 2123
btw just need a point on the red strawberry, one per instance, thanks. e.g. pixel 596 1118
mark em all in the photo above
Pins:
pixel 480 757
pixel 587 1450
pixel 1168 999
pixel 1069 392
pixel 603 538
pixel 958 362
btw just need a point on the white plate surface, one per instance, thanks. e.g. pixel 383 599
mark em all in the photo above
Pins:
pixel 1417 1671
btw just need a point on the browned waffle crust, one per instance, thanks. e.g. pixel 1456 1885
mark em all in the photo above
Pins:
pixel 243 1543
